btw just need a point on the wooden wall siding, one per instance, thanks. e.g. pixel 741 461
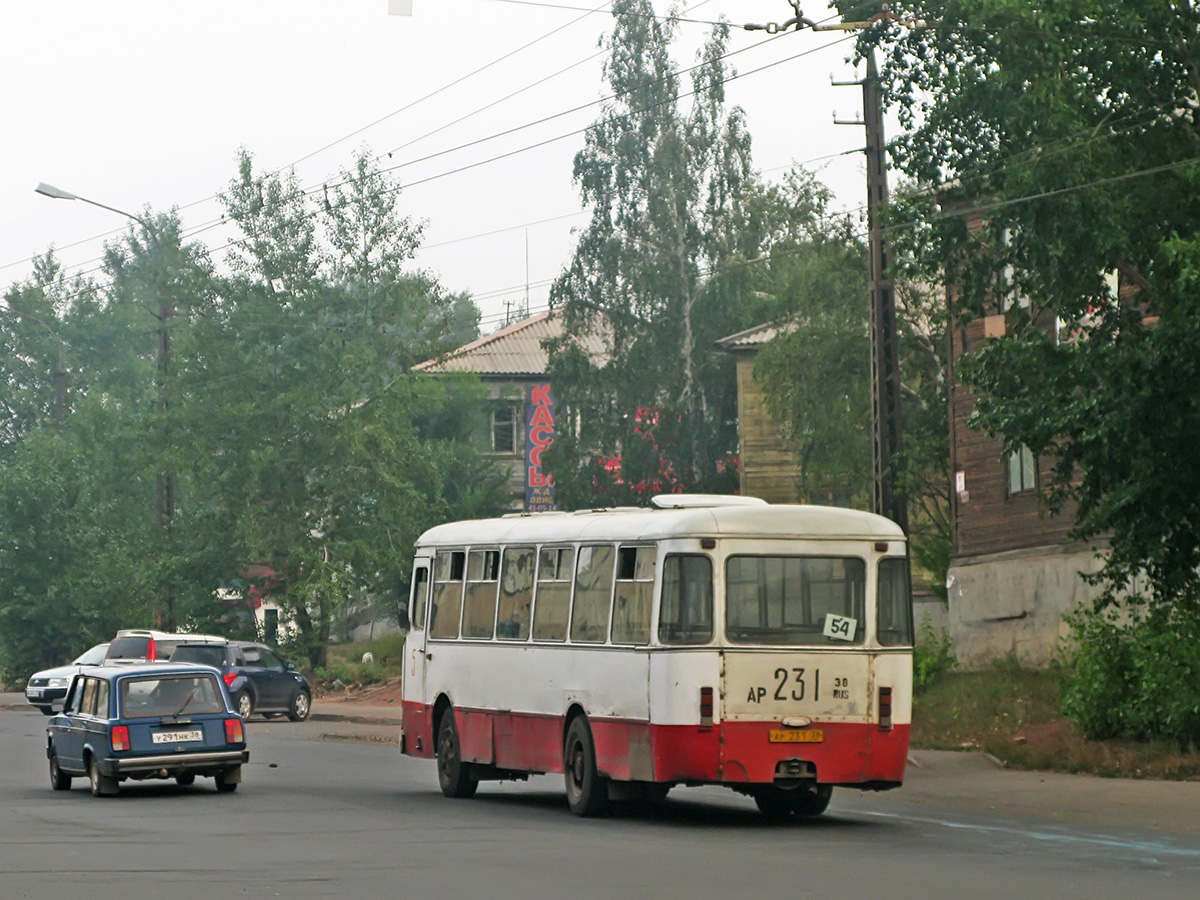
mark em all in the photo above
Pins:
pixel 987 519
pixel 769 470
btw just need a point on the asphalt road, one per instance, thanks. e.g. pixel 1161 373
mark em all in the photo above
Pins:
pixel 321 816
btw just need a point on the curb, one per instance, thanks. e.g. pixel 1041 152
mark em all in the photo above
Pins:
pixel 351 717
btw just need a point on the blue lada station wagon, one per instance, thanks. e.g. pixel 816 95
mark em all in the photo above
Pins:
pixel 152 720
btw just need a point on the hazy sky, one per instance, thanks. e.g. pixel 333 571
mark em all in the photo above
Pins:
pixel 146 102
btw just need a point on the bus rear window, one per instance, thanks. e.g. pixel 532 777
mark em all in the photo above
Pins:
pixel 804 600
pixel 895 625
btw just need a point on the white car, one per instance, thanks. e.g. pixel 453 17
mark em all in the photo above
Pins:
pixel 46 689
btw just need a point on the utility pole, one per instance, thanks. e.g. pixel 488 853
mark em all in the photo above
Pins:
pixel 889 499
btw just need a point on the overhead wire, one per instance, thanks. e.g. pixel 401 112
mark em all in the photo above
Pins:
pixel 312 189
pixel 231 245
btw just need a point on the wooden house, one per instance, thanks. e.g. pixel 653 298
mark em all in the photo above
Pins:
pixel 522 422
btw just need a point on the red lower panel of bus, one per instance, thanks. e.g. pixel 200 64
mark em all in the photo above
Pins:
pixel 726 753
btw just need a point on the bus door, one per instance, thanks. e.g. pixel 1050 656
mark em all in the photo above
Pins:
pixel 418 611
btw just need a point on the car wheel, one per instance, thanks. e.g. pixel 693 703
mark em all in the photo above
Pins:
pixel 587 789
pixel 45 710
pixel 102 785
pixel 456 778
pixel 59 780
pixel 244 704
pixel 225 783
pixel 185 779
pixel 301 706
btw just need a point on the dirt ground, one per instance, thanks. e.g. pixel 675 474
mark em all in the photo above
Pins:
pixel 373 695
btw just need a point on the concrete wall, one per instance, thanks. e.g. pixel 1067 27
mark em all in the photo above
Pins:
pixel 1014 603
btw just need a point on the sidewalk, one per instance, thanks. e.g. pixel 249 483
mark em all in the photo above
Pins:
pixel 323 710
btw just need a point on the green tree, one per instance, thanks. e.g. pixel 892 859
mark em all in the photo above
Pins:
pixel 664 189
pixel 309 427
pixel 816 372
pixel 84 435
pixel 1069 134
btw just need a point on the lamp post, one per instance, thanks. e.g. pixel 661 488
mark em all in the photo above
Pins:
pixel 164 490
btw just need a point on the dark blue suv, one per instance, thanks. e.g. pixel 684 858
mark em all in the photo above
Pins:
pixel 258 678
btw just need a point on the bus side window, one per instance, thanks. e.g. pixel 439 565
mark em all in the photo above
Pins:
pixel 446 613
pixel 552 601
pixel 479 604
pixel 420 598
pixel 686 616
pixel 593 594
pixel 516 594
pixel 635 587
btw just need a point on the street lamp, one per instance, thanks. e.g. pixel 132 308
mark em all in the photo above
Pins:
pixel 164 491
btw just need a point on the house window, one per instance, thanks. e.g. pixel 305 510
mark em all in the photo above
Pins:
pixel 1022 471
pixel 504 429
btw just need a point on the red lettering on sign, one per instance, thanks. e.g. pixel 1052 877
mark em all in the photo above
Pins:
pixel 539 395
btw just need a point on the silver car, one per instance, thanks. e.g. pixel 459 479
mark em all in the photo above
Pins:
pixel 46 689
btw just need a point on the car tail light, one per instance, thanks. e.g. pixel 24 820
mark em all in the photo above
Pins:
pixel 885 707
pixel 120 738
pixel 151 650
pixel 706 707
pixel 233 731
pixel 230 677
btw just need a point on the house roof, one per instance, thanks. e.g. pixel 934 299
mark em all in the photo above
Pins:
pixel 513 350
pixel 753 338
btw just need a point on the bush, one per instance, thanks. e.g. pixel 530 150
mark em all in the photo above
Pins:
pixel 1135 675
pixel 932 656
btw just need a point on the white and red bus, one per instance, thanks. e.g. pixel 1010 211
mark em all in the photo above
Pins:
pixel 710 640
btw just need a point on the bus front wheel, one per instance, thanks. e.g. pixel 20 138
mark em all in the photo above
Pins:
pixel 454 775
pixel 587 789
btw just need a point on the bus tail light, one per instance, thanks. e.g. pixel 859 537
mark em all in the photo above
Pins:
pixel 120 738
pixel 885 708
pixel 233 731
pixel 706 707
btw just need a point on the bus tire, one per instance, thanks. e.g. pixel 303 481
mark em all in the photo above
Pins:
pixel 813 803
pixel 587 789
pixel 779 804
pixel 455 776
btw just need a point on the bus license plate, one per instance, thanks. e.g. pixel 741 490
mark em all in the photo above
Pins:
pixel 796 736
pixel 177 737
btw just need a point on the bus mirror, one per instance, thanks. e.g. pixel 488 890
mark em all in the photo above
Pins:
pixel 402 614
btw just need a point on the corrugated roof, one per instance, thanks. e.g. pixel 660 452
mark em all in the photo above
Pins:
pixel 753 338
pixel 513 350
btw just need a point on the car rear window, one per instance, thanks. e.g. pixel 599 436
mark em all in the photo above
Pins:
pixel 143 698
pixel 128 648
pixel 211 655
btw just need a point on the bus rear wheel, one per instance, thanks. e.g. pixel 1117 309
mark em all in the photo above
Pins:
pixel 779 804
pixel 455 776
pixel 587 789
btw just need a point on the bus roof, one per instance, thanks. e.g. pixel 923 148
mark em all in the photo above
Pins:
pixel 717 519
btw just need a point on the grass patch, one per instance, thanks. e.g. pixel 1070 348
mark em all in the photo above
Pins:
pixel 344 663
pixel 1014 714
